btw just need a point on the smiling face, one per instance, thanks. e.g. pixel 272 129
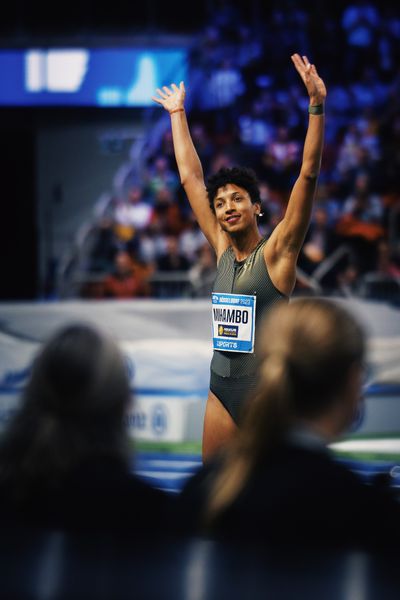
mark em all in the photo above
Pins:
pixel 234 209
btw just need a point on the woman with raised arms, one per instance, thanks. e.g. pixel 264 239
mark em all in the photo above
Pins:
pixel 253 273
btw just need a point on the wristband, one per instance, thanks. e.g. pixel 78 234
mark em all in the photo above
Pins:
pixel 176 110
pixel 316 109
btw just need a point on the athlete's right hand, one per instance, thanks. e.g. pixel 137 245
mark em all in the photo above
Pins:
pixel 171 98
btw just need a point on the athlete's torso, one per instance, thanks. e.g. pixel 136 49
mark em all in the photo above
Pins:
pixel 249 277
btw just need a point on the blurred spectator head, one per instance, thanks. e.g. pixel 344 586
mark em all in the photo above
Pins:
pixel 135 194
pixel 161 164
pixel 220 160
pixel 199 134
pixel 172 244
pixel 320 216
pixel 211 35
pixel 72 409
pixel 167 144
pixel 206 255
pixel 362 183
pixel 311 354
pixel 79 374
pixel 123 263
pixel 163 197
pixel 387 262
pixel 282 134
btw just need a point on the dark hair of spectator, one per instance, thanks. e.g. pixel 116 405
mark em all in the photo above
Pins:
pixel 306 351
pixel 240 176
pixel 72 409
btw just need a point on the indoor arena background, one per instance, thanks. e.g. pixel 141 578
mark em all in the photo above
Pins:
pixel 88 176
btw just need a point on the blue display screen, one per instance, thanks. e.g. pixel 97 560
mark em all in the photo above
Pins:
pixel 87 76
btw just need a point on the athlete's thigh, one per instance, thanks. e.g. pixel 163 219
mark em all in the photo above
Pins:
pixel 219 426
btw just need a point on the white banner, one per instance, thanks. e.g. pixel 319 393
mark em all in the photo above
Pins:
pixel 167 349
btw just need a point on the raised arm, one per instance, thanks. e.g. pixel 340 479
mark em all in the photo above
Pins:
pixel 190 170
pixel 286 241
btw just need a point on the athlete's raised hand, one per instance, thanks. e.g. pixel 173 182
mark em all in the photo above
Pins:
pixel 315 86
pixel 171 98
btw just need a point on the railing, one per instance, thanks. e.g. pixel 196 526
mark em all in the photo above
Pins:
pixel 313 281
pixel 174 284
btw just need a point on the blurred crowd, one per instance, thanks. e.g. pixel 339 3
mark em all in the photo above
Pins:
pixel 246 106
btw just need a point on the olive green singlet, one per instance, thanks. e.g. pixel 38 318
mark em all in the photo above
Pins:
pixel 249 276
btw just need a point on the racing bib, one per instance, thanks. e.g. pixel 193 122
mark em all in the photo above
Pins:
pixel 233 318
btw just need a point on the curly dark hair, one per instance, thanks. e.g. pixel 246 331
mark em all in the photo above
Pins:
pixel 241 176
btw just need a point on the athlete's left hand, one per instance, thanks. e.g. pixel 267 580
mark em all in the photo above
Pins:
pixel 315 86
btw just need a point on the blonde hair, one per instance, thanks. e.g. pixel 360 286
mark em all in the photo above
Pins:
pixel 305 351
